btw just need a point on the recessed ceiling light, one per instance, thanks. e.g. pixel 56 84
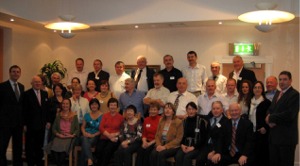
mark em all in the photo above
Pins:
pixel 136 26
pixel 220 23
pixel 12 20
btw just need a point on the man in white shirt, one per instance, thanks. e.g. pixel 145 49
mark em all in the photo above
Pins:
pixel 117 81
pixel 195 74
pixel 219 78
pixel 181 98
pixel 231 95
pixel 271 84
pixel 79 73
pixel 157 94
pixel 205 100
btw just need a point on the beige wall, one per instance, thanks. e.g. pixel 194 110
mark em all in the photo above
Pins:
pixel 31 48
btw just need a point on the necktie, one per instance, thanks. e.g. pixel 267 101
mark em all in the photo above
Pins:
pixel 215 77
pixel 176 103
pixel 38 96
pixel 214 123
pixel 232 146
pixel 138 77
pixel 279 96
pixel 17 93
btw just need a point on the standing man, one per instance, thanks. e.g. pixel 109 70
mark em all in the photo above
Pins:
pixel 35 121
pixel 240 73
pixel 283 121
pixel 219 78
pixel 231 95
pixel 11 97
pixel 195 74
pixel 98 74
pixel 170 73
pixel 271 84
pixel 117 81
pixel 79 73
pixel 143 75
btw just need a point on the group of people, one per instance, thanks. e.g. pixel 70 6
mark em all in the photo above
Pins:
pixel 176 113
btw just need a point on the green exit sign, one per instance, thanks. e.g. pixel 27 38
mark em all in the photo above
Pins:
pixel 243 48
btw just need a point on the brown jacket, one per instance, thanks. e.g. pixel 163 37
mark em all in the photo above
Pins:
pixel 174 135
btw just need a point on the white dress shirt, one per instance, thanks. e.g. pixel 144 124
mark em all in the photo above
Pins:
pixel 184 99
pixel 117 84
pixel 221 81
pixel 204 102
pixel 196 77
pixel 81 75
pixel 142 84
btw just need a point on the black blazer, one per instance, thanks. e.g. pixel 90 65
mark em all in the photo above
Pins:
pixel 35 115
pixel 244 137
pixel 149 74
pixel 10 107
pixel 103 75
pixel 261 113
pixel 284 114
pixel 245 75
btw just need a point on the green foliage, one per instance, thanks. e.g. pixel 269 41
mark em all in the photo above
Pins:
pixel 50 68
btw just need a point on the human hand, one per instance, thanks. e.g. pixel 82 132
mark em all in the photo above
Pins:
pixel 216 158
pixel 243 160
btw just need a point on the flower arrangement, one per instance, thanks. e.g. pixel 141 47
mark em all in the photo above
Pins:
pixel 49 68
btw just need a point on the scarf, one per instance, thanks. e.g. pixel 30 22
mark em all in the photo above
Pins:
pixel 253 106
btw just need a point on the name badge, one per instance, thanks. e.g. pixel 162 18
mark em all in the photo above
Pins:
pixel 218 125
pixel 148 125
pixel 101 101
pixel 172 78
pixel 197 130
pixel 240 78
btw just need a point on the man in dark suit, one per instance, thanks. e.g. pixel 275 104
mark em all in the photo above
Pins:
pixel 143 75
pixel 238 139
pixel 283 121
pixel 11 97
pixel 240 73
pixel 98 74
pixel 35 120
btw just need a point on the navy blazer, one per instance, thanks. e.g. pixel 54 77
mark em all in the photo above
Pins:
pixel 244 75
pixel 10 107
pixel 103 75
pixel 149 74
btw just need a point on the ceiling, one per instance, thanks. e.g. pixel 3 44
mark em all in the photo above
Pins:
pixel 126 14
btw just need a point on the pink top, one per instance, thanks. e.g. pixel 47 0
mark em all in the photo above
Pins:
pixel 65 126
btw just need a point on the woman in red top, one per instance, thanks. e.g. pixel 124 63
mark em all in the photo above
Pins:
pixel 148 137
pixel 110 130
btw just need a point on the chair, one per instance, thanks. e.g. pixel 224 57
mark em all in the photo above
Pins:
pixel 77 149
pixel 70 158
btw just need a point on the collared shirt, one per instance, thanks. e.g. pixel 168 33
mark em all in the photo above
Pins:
pixel 221 81
pixel 142 84
pixel 270 95
pixel 80 107
pixel 170 78
pixel 136 99
pixel 204 102
pixel 117 83
pixel 82 77
pixel 217 119
pixel 231 99
pixel 13 85
pixel 184 99
pixel 161 93
pixel 196 77
pixel 236 75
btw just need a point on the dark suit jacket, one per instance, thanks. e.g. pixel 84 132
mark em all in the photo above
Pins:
pixel 245 75
pixel 35 115
pixel 284 114
pixel 149 74
pixel 244 137
pixel 10 107
pixel 103 75
pixel 261 113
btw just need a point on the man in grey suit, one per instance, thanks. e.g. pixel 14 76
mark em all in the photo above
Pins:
pixel 283 121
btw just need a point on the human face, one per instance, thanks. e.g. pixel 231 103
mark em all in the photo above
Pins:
pixel 15 74
pixel 129 86
pixel 181 85
pixel 245 88
pixel 91 85
pixel 237 63
pixel 113 107
pixel 74 82
pixel 141 63
pixel 153 111
pixel 65 105
pixel 129 113
pixel 97 65
pixel 217 109
pixel 271 84
pixel 58 91
pixel 55 79
pixel 169 62
pixel 210 87
pixel 192 59
pixel 284 82
pixel 230 86
pixel 191 112
pixel 234 111
pixel 119 68
pixel 158 81
pixel 104 88
pixel 36 83
pixel 79 65
pixel 168 112
pixel 257 90
pixel 94 107
pixel 215 69
pixel 77 92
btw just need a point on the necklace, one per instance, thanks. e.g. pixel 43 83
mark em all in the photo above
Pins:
pixel 103 96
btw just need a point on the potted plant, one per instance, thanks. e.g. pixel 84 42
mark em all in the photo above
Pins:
pixel 49 68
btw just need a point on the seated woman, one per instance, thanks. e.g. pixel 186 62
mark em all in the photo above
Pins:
pixel 91 90
pixel 90 132
pixel 110 130
pixel 168 137
pixel 130 137
pixel 149 130
pixel 194 137
pixel 65 129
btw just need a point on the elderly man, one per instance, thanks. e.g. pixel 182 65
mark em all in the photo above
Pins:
pixel 79 73
pixel 11 98
pixel 170 73
pixel 117 81
pixel 283 121
pixel 271 84
pixel 98 74
pixel 218 77
pixel 132 97
pixel 240 73
pixel 55 79
pixel 157 94
pixel 205 100
pixel 181 98
pixel 143 75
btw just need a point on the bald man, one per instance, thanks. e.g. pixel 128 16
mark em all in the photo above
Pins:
pixel 271 85
pixel 220 79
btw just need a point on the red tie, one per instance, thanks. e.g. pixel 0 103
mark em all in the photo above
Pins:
pixel 232 146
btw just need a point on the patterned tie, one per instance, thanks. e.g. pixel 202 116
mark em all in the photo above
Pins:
pixel 176 103
pixel 138 77
pixel 279 96
pixel 38 95
pixel 232 146
pixel 17 93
